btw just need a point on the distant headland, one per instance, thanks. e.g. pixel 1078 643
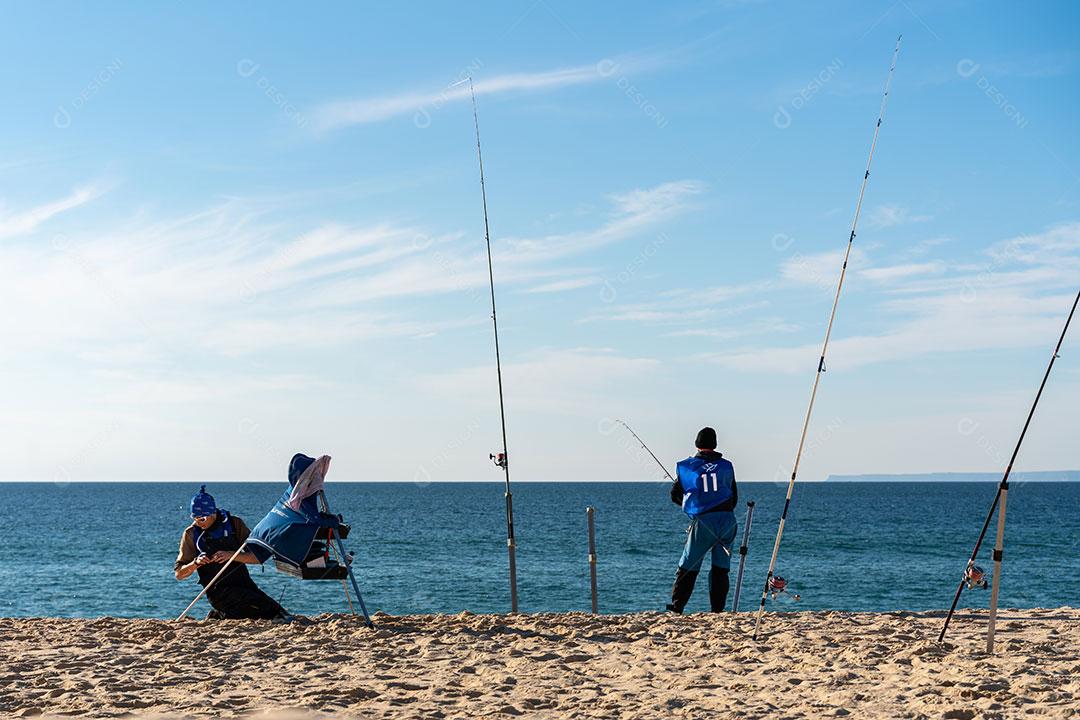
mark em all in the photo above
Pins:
pixel 1039 476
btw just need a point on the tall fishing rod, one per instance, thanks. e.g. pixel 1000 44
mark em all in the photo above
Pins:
pixel 501 459
pixel 1002 495
pixel 825 345
pixel 646 448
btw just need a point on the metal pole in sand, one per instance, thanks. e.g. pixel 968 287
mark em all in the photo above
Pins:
pixel 211 583
pixel 590 511
pixel 742 553
pixel 997 569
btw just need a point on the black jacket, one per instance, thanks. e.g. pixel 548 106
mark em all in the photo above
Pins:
pixel 729 505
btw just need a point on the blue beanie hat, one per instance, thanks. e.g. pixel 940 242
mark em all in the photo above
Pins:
pixel 202 503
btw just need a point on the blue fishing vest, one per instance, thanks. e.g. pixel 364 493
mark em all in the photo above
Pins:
pixel 705 483
pixel 221 530
pixel 222 536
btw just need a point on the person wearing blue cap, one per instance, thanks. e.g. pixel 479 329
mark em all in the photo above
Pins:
pixel 205 546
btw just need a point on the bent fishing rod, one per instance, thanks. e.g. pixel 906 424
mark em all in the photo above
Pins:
pixel 825 344
pixel 501 459
pixel 1000 497
pixel 646 448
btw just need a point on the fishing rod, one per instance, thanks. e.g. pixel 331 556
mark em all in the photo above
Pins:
pixel 825 345
pixel 972 574
pixel 501 459
pixel 646 447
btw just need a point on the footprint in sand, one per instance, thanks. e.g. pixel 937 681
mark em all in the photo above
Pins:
pixel 577 658
pixel 964 714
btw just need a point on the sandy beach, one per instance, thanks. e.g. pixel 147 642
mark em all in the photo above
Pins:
pixel 807 665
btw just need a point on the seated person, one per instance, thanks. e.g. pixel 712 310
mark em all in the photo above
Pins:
pixel 206 545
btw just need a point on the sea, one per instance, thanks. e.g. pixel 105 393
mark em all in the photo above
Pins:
pixel 107 549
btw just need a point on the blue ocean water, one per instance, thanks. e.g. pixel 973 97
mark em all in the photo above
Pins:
pixel 93 549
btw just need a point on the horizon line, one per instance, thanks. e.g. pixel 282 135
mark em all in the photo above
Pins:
pixel 846 479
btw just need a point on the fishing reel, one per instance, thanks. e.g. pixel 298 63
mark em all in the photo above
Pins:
pixel 975 576
pixel 778 586
pixel 499 459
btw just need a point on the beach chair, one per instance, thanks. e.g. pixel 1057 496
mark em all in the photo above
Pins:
pixel 301 535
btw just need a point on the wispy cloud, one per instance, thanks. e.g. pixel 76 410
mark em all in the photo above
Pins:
pixel 122 387
pixel 234 280
pixel 819 269
pixel 892 273
pixel 573 380
pixel 1059 243
pixel 822 270
pixel 927 326
pixel 767 326
pixel 632 212
pixel 652 316
pixel 923 247
pixel 884 216
pixel 1016 298
pixel 343 113
pixel 1038 65
pixel 219 282
pixel 688 307
pixel 520 260
pixel 564 285
pixel 27 221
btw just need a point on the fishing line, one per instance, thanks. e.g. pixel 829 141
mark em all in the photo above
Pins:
pixel 646 447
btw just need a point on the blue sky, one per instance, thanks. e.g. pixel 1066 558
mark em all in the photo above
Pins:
pixel 230 233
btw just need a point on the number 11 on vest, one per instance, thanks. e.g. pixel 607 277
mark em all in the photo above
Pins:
pixel 705 482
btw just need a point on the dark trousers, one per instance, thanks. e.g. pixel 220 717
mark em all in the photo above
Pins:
pixel 238 602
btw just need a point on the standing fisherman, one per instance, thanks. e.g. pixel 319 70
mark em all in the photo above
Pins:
pixel 705 488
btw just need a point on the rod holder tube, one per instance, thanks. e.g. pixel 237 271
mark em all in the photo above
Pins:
pixel 997 571
pixel 591 512
pixel 743 548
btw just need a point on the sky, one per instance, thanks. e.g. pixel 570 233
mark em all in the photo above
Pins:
pixel 232 232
